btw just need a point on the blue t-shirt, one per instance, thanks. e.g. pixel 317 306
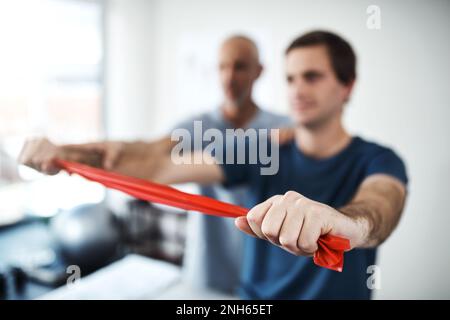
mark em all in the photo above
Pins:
pixel 270 272
pixel 207 254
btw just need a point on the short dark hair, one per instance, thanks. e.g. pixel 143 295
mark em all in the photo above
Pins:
pixel 342 56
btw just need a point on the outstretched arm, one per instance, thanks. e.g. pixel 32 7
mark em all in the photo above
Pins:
pixel 295 222
pixel 146 160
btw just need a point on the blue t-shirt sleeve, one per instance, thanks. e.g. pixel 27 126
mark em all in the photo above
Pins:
pixel 389 163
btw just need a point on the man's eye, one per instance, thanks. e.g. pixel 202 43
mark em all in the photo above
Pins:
pixel 240 67
pixel 312 77
pixel 289 79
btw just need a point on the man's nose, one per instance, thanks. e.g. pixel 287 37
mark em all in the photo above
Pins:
pixel 299 90
pixel 230 74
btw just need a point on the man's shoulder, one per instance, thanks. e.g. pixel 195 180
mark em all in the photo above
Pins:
pixel 207 119
pixel 214 119
pixel 270 119
pixel 371 147
pixel 383 159
pixel 373 151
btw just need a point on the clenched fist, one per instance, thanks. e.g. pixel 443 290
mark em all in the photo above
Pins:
pixel 40 154
pixel 295 223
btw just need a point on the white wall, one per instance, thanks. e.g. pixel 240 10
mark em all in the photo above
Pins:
pixel 131 28
pixel 401 98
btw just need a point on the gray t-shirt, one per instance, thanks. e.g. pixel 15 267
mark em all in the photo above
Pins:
pixel 214 245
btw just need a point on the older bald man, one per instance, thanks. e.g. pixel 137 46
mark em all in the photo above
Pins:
pixel 214 247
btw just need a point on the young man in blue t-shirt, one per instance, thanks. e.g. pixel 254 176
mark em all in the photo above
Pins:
pixel 327 182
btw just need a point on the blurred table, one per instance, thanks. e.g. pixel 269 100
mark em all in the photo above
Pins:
pixel 134 277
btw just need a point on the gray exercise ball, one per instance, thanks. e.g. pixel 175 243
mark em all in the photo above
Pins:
pixel 87 235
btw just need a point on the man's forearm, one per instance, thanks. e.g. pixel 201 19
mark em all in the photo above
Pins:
pixel 131 158
pixel 77 154
pixel 143 159
pixel 376 226
pixel 378 211
pixel 144 150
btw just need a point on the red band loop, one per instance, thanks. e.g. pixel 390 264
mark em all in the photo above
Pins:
pixel 331 248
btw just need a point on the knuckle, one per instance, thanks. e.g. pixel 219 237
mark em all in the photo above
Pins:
pixel 269 232
pixel 252 217
pixel 299 202
pixel 306 245
pixel 291 194
pixel 308 207
pixel 289 243
pixel 278 200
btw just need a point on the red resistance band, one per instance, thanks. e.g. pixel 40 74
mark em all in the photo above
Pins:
pixel 331 248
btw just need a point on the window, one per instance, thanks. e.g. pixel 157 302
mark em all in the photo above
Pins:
pixel 51 55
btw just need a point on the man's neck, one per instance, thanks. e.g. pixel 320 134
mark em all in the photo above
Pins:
pixel 322 141
pixel 239 115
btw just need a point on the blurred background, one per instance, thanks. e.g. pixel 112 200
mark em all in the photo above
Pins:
pixel 80 71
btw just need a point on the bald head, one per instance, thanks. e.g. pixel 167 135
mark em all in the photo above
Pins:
pixel 242 44
pixel 239 67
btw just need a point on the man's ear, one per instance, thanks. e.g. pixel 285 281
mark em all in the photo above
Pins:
pixel 348 90
pixel 259 70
